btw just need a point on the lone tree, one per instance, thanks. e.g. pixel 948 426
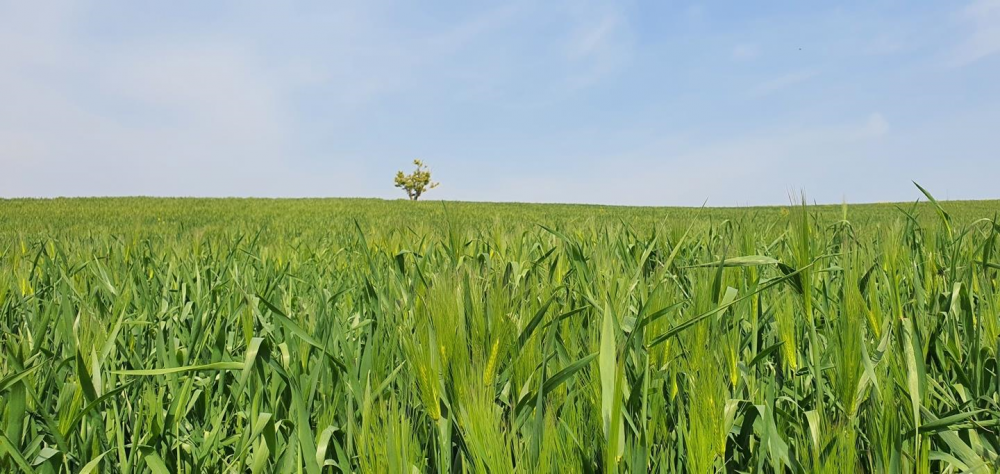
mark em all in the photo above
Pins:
pixel 417 182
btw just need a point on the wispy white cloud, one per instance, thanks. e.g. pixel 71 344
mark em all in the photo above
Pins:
pixel 696 12
pixel 981 20
pixel 210 111
pixel 876 126
pixel 155 116
pixel 758 167
pixel 600 42
pixel 883 45
pixel 595 38
pixel 479 56
pixel 782 82
pixel 745 51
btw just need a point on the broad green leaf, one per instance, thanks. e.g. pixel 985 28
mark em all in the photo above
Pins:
pixel 179 370
pixel 744 261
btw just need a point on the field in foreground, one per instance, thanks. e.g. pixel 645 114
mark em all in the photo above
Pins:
pixel 183 335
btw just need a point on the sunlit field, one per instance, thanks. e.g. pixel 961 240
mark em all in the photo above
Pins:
pixel 352 335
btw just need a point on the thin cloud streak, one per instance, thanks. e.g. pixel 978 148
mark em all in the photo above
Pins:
pixel 981 19
pixel 783 82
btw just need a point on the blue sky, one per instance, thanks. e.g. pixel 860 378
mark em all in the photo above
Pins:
pixel 651 103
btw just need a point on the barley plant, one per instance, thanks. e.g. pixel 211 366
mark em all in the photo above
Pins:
pixel 168 335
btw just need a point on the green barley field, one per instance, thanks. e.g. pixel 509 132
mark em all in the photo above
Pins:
pixel 353 335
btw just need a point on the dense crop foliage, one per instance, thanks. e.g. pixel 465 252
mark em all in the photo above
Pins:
pixel 314 336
